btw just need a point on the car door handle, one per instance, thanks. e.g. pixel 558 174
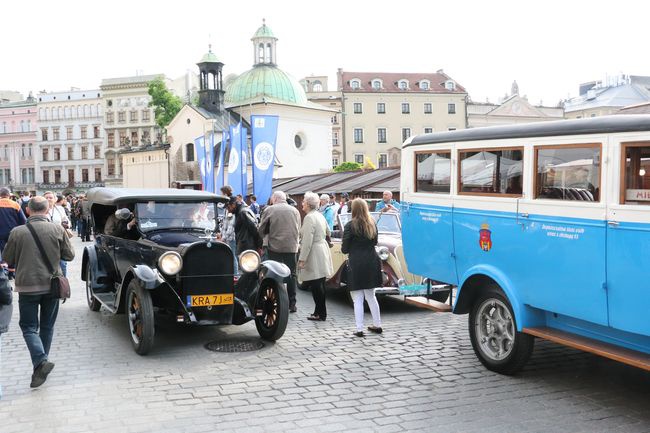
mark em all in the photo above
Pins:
pixel 613 223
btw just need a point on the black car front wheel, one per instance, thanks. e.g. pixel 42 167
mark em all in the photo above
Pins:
pixel 140 317
pixel 93 303
pixel 272 311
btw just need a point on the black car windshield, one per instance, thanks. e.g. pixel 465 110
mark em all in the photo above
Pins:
pixel 161 216
pixel 387 222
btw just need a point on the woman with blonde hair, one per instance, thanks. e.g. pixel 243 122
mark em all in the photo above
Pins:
pixel 314 259
pixel 364 265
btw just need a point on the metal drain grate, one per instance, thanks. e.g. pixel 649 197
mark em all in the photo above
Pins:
pixel 232 346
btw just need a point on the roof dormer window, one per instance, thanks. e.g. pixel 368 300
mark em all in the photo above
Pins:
pixel 450 85
pixel 403 84
pixel 355 84
pixel 376 84
pixel 424 85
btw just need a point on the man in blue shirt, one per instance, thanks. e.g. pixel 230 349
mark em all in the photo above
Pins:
pixel 387 204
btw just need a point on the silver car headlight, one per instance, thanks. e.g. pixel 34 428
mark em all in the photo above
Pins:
pixel 170 263
pixel 383 253
pixel 249 261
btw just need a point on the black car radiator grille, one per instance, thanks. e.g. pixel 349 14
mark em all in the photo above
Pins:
pixel 208 271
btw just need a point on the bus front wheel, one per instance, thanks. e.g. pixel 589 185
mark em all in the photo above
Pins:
pixel 494 336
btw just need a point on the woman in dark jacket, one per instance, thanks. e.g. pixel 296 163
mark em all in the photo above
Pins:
pixel 364 265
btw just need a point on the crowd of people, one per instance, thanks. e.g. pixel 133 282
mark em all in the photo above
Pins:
pixel 276 230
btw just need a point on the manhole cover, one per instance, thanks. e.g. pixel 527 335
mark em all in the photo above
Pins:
pixel 234 345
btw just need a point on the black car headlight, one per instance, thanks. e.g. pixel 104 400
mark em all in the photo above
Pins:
pixel 170 263
pixel 383 253
pixel 249 261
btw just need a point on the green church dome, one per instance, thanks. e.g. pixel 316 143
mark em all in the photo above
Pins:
pixel 264 32
pixel 209 57
pixel 265 81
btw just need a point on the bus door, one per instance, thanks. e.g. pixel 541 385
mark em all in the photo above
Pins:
pixel 564 234
pixel 628 243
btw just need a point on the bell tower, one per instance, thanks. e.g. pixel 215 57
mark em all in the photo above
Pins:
pixel 264 43
pixel 211 93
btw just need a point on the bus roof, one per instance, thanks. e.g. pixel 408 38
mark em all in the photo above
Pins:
pixel 594 125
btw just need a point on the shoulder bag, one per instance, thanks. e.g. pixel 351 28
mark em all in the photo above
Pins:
pixel 59 285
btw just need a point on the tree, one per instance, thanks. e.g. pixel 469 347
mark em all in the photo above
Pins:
pixel 166 104
pixel 347 166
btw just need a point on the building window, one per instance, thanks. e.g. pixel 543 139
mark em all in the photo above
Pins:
pixel 568 173
pixel 110 118
pixel 84 152
pixel 406 108
pixel 381 135
pixel 45 154
pixel 428 108
pixel 121 116
pixel 451 108
pixel 68 133
pixel 84 175
pixel 5 175
pixel 110 166
pixel 57 154
pixel 450 85
pixel 133 116
pixel 123 139
pixel 70 152
pixel 382 160
pixel 84 132
pixel 57 176
pixel 44 134
pixel 335 161
pixel 432 172
pixel 406 133
pixel 145 137
pixel 376 84
pixel 55 134
pixel 335 138
pixel 358 135
pixel 403 85
pixel 71 176
pixel 95 131
pixel 46 176
pixel 428 130
pixel 97 150
pixel 491 171
pixel 145 115
pixel 134 138
pixel 381 108
pixel 98 175
pixel 335 119
pixel 358 109
pixel 299 141
pixel 355 84
pixel 189 152
pixel 358 158
pixel 424 85
pixel 451 128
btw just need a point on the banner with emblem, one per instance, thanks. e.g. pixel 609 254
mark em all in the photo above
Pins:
pixel 235 161
pixel 209 164
pixel 199 148
pixel 264 132
pixel 219 159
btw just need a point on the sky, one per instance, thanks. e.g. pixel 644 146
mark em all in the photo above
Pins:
pixel 548 47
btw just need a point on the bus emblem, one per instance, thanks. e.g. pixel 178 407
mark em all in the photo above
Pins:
pixel 485 238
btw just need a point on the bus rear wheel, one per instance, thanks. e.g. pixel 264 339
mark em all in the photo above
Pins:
pixel 494 336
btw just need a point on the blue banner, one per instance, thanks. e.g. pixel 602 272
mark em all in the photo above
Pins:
pixel 199 148
pixel 244 162
pixel 234 162
pixel 264 132
pixel 220 162
pixel 209 165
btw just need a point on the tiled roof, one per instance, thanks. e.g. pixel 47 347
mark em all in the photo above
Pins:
pixel 390 82
pixel 130 80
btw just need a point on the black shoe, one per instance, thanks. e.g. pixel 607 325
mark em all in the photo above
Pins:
pixel 375 329
pixel 359 334
pixel 40 374
pixel 314 317
pixel 292 309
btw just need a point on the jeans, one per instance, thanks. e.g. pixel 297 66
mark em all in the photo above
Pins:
pixel 64 267
pixel 288 259
pixel 38 336
pixel 233 246
pixel 318 292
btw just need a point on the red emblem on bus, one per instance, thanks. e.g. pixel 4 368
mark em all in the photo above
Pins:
pixel 485 238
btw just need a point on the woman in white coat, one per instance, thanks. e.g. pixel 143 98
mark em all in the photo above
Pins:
pixel 314 259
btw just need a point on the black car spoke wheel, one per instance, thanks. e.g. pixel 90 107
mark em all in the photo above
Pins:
pixel 139 314
pixel 272 312
pixel 93 303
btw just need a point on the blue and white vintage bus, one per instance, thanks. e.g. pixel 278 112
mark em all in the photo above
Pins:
pixel 543 228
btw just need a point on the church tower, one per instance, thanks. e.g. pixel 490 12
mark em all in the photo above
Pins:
pixel 211 93
pixel 264 43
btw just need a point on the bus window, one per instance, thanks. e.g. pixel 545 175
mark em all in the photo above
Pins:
pixel 491 171
pixel 568 172
pixel 636 174
pixel 432 172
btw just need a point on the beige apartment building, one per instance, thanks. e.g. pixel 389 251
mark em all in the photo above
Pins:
pixel 70 141
pixel 129 122
pixel 317 90
pixel 381 110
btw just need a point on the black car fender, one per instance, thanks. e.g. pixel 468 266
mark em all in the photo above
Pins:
pixel 89 256
pixel 274 271
pixel 145 276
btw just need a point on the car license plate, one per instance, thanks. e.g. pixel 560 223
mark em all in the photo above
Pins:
pixel 210 300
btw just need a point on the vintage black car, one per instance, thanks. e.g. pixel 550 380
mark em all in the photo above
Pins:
pixel 158 250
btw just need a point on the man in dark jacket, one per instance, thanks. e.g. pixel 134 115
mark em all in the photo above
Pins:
pixel 246 234
pixel 33 282
pixel 280 225
pixel 10 216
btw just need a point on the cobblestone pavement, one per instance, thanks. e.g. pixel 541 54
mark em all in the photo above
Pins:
pixel 420 375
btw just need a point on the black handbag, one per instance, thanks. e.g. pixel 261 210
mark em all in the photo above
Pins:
pixel 59 285
pixel 6 295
